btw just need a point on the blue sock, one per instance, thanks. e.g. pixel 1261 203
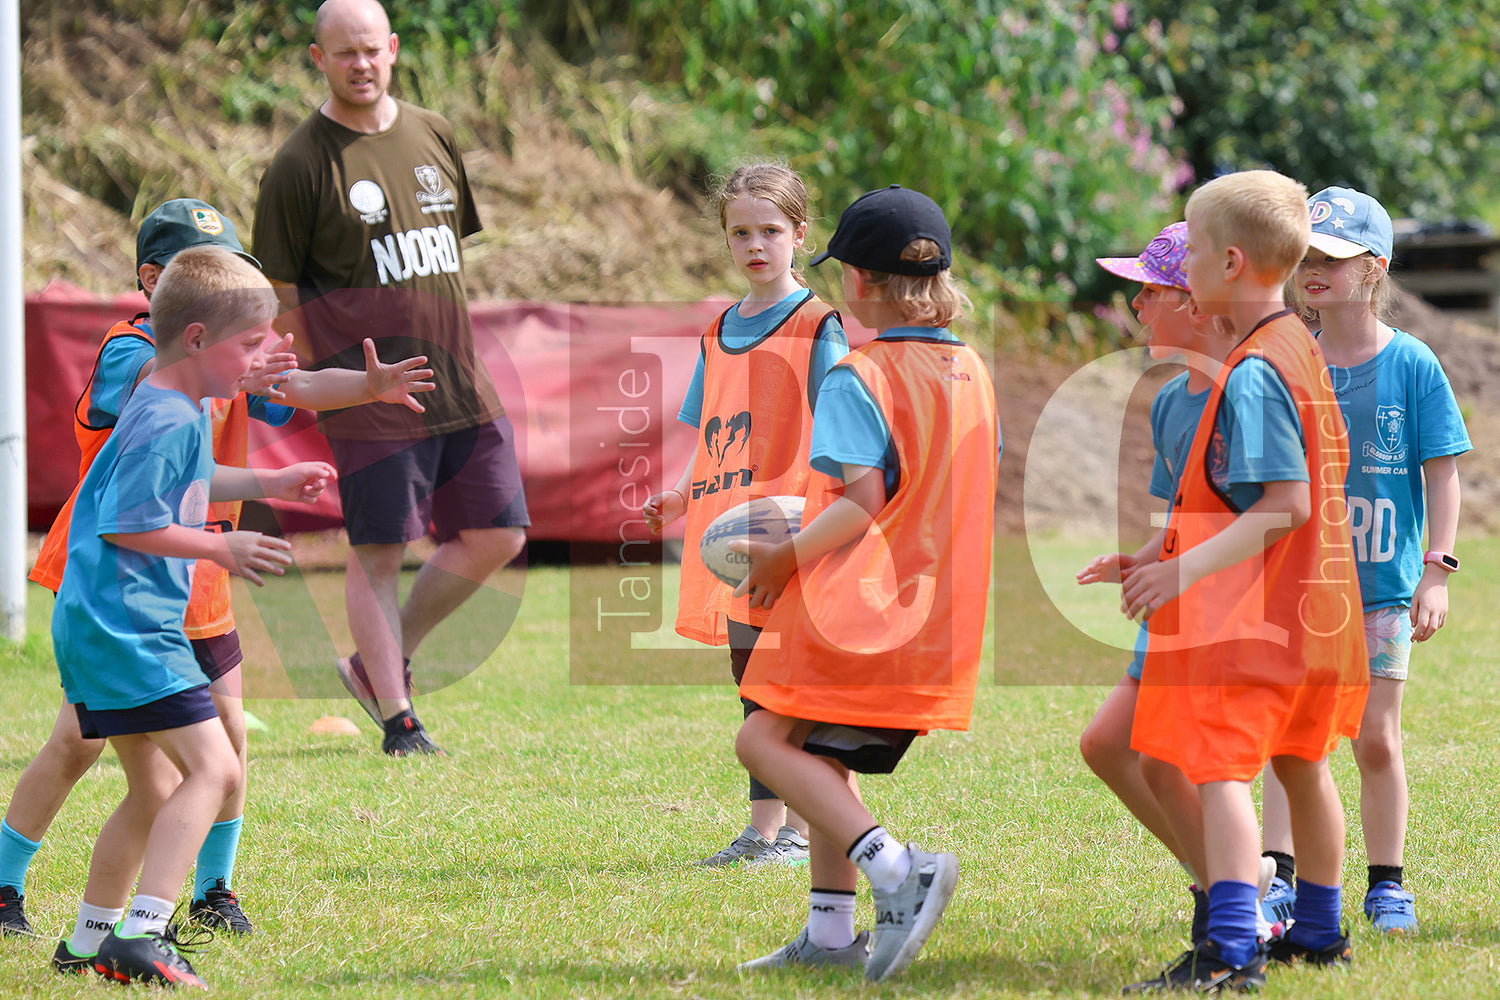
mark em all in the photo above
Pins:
pixel 1231 920
pixel 15 857
pixel 216 858
pixel 1316 915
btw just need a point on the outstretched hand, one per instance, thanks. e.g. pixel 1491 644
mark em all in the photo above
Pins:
pixel 269 368
pixel 250 553
pixel 395 383
pixel 303 482
pixel 1108 568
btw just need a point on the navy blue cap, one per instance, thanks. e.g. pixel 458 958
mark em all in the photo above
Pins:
pixel 874 230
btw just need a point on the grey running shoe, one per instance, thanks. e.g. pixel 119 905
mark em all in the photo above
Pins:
pixel 789 848
pixel 746 846
pixel 358 685
pixel 801 951
pixel 905 917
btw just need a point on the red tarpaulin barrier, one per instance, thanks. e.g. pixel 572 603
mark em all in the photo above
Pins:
pixel 593 393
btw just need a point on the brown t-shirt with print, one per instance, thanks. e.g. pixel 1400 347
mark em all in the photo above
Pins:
pixel 367 228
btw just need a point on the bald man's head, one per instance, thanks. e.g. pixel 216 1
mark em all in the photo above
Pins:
pixel 364 13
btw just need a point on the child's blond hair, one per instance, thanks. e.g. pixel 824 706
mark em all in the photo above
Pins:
pixel 1260 211
pixel 209 285
pixel 1383 290
pixel 922 300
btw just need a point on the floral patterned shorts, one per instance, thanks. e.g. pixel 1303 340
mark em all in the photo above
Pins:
pixel 1388 635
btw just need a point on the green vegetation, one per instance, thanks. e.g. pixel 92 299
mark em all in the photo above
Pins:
pixel 1052 131
pixel 549 857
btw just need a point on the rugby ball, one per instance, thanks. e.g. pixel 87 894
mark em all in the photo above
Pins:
pixel 764 519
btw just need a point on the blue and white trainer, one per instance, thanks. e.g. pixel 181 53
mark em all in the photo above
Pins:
pixel 1391 908
pixel 1277 904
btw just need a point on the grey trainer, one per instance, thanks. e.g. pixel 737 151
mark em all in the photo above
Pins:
pixel 905 917
pixel 801 951
pixel 746 846
pixel 789 848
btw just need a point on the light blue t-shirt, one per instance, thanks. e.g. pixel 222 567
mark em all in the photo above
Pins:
pixel 117 622
pixel 849 427
pixel 115 374
pixel 1174 421
pixel 120 365
pixel 1257 435
pixel 1400 411
pixel 741 333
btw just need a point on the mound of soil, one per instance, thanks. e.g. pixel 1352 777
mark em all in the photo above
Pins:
pixel 120 115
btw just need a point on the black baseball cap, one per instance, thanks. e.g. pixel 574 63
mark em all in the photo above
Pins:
pixel 874 230
pixel 181 223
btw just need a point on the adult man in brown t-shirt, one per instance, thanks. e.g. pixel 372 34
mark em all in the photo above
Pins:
pixel 358 223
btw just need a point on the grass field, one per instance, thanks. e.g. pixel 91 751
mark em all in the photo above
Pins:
pixel 549 856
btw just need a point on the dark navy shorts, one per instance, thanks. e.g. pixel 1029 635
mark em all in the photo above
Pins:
pixel 175 711
pixel 865 749
pixel 394 491
pixel 218 654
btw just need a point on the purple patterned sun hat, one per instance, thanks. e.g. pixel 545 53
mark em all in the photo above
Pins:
pixel 1161 263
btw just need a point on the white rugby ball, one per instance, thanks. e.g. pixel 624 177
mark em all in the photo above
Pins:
pixel 764 519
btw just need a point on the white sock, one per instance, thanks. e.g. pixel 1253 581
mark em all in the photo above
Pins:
pixel 146 914
pixel 94 924
pixel 830 918
pixel 883 859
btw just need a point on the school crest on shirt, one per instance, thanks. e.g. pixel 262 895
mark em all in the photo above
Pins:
pixel 1390 431
pixel 434 196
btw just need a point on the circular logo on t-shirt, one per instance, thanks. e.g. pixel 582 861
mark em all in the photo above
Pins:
pixel 193 511
pixel 366 197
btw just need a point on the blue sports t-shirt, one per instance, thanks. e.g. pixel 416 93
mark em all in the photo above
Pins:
pixel 1257 434
pixel 115 375
pixel 740 332
pixel 117 622
pixel 848 426
pixel 119 368
pixel 1400 411
pixel 1174 421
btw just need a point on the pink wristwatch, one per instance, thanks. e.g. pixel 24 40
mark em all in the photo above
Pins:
pixel 1446 560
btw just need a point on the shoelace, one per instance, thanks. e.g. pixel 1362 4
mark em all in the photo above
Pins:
pixel 185 937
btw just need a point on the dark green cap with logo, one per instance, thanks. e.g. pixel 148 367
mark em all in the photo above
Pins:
pixel 181 223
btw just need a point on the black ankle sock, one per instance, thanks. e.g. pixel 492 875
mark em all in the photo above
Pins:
pixel 1385 873
pixel 1199 932
pixel 1286 866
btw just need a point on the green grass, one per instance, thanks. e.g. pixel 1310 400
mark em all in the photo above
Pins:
pixel 548 857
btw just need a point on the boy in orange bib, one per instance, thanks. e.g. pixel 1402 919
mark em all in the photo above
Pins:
pixel 880 600
pixel 1256 643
